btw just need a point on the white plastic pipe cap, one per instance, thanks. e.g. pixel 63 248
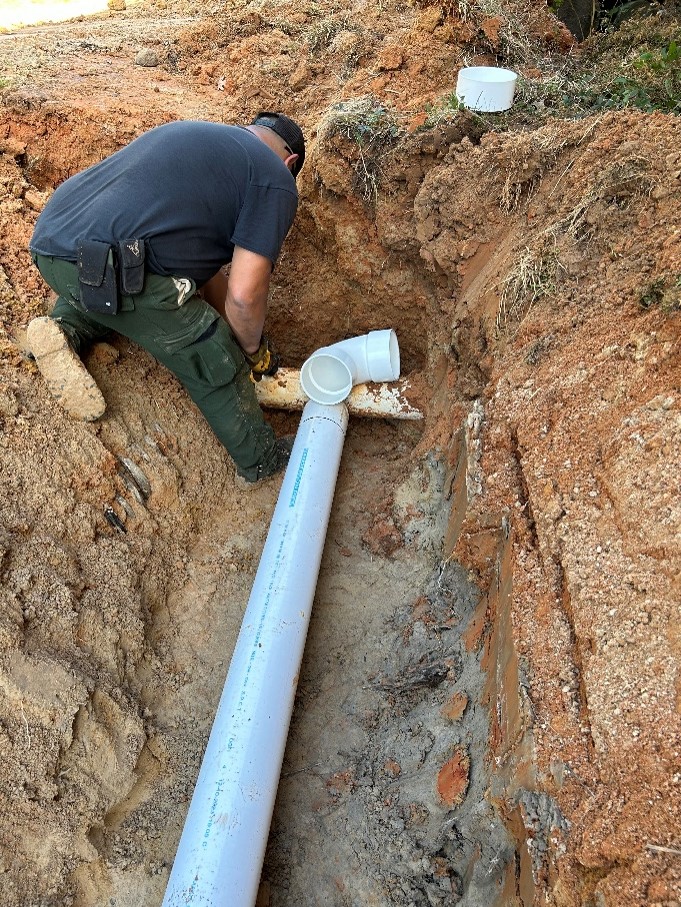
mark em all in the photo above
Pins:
pixel 331 372
pixel 486 88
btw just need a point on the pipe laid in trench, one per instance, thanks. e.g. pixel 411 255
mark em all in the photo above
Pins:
pixel 388 401
pixel 222 848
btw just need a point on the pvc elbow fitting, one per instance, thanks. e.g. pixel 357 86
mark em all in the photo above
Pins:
pixel 331 372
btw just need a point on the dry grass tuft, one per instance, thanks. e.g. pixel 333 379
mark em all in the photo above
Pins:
pixel 373 132
pixel 533 277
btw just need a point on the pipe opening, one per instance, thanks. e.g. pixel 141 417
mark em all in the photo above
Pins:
pixel 326 379
pixel 383 355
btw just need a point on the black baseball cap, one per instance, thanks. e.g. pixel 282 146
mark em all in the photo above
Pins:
pixel 288 130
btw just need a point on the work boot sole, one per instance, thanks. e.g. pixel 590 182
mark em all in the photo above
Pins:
pixel 66 377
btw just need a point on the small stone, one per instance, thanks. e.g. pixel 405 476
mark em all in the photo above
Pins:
pixel 390 58
pixel 66 377
pixel 147 57
pixel 452 779
pixel 455 707
pixel 138 476
pixel 300 76
pixel 383 537
pixel 35 200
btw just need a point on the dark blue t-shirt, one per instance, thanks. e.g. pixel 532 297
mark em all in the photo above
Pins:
pixel 192 190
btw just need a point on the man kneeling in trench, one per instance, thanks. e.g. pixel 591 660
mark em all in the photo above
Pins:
pixel 137 244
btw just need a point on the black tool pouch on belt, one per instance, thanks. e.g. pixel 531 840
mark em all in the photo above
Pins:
pixel 97 277
pixel 131 266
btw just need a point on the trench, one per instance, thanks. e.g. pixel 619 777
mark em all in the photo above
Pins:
pixel 389 793
pixel 385 793
pixel 495 633
pixel 407 778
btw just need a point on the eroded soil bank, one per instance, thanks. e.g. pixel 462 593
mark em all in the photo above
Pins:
pixel 489 707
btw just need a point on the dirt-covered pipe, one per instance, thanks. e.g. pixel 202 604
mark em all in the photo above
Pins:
pixel 386 401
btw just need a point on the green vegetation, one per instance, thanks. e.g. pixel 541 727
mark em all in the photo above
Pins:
pixel 446 109
pixel 623 10
pixel 662 292
pixel 650 81
pixel 636 66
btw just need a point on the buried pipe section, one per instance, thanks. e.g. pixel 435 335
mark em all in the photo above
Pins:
pixel 387 401
pixel 222 847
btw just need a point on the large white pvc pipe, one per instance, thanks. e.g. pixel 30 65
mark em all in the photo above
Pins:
pixel 386 401
pixel 221 851
pixel 331 372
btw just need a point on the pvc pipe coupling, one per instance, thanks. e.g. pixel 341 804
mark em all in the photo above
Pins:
pixel 487 88
pixel 331 372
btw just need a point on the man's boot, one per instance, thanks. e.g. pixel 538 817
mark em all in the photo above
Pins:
pixel 66 377
pixel 277 461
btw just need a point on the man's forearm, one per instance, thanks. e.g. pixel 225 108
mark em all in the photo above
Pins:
pixel 241 296
pixel 246 320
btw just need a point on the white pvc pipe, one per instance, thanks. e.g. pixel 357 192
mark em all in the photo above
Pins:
pixel 386 401
pixel 331 372
pixel 222 848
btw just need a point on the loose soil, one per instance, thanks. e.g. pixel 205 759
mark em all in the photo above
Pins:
pixel 488 710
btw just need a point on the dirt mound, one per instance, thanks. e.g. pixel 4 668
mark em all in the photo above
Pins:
pixel 489 708
pixel 579 427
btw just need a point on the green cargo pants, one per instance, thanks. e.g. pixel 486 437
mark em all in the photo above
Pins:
pixel 186 335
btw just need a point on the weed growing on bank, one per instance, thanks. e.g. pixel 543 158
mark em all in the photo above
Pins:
pixel 533 276
pixel 372 130
pixel 663 293
pixel 647 78
pixel 322 33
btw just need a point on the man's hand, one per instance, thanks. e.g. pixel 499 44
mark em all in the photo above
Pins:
pixel 264 361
